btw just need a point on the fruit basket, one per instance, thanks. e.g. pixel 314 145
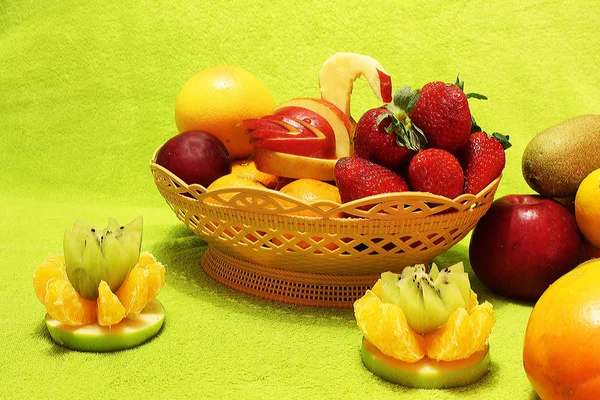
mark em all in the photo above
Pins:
pixel 258 246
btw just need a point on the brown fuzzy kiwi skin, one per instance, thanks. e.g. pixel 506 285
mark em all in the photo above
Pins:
pixel 557 159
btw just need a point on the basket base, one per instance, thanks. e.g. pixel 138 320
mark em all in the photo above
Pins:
pixel 299 288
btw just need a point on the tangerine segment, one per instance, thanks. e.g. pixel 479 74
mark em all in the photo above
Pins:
pixel 64 304
pixel 385 326
pixel 462 335
pixel 133 293
pixel 146 259
pixel 110 309
pixel 155 279
pixel 53 267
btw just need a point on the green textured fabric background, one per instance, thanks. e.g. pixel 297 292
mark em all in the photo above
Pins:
pixel 87 94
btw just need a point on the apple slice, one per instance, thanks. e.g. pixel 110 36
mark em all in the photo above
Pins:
pixel 341 134
pixel 293 166
pixel 338 73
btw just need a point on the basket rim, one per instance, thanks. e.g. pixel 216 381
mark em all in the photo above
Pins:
pixel 462 203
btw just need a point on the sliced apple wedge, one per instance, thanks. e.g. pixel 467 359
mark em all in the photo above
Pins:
pixel 338 73
pixel 293 166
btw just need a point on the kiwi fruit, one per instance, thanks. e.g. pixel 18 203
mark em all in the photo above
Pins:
pixel 93 255
pixel 427 300
pixel 557 159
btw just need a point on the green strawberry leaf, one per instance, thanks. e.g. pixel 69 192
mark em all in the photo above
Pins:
pixel 406 99
pixel 476 96
pixel 503 139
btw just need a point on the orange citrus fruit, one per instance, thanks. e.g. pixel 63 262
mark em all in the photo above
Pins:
pixel 464 334
pixel 53 267
pixel 110 309
pixel 64 304
pixel 246 169
pixel 385 326
pixel 217 99
pixel 155 279
pixel 133 293
pixel 587 207
pixel 562 339
pixel 311 190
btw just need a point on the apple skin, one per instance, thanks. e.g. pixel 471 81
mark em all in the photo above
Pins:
pixel 523 244
pixel 195 157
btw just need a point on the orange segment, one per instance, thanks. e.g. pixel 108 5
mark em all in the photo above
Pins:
pixel 146 259
pixel 53 267
pixel 385 326
pixel 462 335
pixel 64 304
pixel 133 293
pixel 110 309
pixel 155 279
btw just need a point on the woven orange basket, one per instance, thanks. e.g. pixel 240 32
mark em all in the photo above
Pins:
pixel 258 246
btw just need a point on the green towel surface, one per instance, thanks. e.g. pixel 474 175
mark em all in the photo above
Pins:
pixel 88 93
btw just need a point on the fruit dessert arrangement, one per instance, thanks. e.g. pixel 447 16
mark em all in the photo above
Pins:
pixel 418 140
pixel 100 295
pixel 424 329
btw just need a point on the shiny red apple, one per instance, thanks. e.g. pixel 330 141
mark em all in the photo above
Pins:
pixel 523 244
pixel 195 157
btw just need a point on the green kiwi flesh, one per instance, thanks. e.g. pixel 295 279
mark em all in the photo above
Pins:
pixel 93 255
pixel 427 300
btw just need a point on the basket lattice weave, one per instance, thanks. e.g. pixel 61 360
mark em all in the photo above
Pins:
pixel 259 246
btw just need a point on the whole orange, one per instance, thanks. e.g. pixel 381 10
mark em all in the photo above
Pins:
pixel 562 340
pixel 217 99
pixel 587 207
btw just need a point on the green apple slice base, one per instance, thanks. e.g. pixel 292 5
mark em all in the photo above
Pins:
pixel 95 338
pixel 426 373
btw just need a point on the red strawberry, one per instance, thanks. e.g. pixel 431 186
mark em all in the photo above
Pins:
pixel 442 113
pixel 482 159
pixel 436 171
pixel 357 177
pixel 377 141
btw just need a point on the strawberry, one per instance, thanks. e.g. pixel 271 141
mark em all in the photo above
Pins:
pixel 357 177
pixel 442 113
pixel 482 159
pixel 436 171
pixel 376 140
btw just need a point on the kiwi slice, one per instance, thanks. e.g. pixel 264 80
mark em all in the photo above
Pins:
pixel 93 255
pixel 425 373
pixel 427 300
pixel 128 333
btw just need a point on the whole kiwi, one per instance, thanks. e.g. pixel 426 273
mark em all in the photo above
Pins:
pixel 557 159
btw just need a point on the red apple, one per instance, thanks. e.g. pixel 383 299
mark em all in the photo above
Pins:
pixel 523 244
pixel 195 157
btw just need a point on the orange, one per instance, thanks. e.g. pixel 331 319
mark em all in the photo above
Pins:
pixel 309 191
pixel 133 293
pixel 53 267
pixel 155 278
pixel 64 304
pixel 587 207
pixel 246 169
pixel 464 334
pixel 385 326
pixel 110 309
pixel 562 339
pixel 217 99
